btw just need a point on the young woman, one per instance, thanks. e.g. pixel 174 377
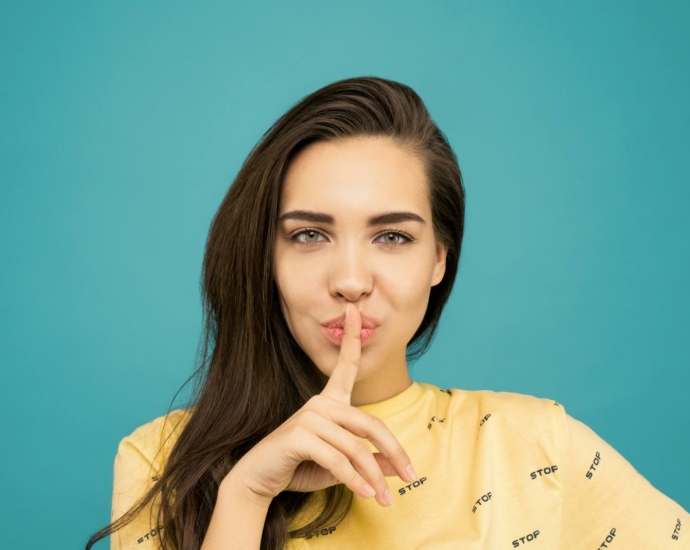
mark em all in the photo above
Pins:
pixel 326 270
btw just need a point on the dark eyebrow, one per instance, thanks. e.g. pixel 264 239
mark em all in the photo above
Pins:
pixel 380 219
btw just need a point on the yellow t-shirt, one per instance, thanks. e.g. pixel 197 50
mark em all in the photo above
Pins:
pixel 496 470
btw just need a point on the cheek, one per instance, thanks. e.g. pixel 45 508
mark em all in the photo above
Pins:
pixel 406 289
pixel 297 299
pixel 401 295
pixel 296 284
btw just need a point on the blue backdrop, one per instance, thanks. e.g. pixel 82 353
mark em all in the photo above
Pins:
pixel 124 123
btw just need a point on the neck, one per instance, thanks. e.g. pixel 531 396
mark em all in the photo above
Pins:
pixel 384 383
pixel 388 380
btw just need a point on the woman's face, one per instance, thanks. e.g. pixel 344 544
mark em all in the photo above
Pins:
pixel 322 264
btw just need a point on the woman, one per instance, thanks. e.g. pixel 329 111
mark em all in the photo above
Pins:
pixel 326 270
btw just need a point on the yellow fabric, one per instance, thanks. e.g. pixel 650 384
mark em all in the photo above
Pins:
pixel 139 461
pixel 497 470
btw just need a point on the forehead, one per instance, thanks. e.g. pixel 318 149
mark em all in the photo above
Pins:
pixel 356 176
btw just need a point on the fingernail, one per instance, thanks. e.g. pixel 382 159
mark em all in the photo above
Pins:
pixel 410 472
pixel 387 498
pixel 347 312
pixel 368 491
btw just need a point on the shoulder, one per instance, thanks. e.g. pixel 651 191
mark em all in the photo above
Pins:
pixel 517 404
pixel 518 413
pixel 154 440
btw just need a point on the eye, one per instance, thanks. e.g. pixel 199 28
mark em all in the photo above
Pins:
pixel 396 234
pixel 388 234
pixel 309 233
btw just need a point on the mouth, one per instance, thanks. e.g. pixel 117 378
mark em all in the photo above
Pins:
pixel 333 328
pixel 335 334
pixel 368 322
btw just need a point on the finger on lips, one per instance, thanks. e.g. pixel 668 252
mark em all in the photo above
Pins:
pixel 342 379
pixel 393 460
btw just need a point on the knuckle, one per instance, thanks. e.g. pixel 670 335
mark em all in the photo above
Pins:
pixel 340 461
pixel 381 482
pixel 359 447
pixel 314 402
pixel 300 432
pixel 400 453
pixel 375 424
pixel 353 479
pixel 308 416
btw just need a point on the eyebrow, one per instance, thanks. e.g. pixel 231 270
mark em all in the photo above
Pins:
pixel 379 219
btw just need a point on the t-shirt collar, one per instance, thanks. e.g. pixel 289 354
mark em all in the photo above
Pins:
pixel 394 404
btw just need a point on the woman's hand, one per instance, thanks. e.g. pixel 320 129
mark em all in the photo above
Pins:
pixel 318 446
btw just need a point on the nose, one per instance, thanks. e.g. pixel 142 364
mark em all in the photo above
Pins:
pixel 351 274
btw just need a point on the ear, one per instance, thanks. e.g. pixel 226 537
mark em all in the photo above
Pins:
pixel 439 265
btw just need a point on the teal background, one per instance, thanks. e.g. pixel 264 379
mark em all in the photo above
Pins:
pixel 124 123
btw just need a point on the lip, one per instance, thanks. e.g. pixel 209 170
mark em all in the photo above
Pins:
pixel 333 328
pixel 335 334
pixel 368 322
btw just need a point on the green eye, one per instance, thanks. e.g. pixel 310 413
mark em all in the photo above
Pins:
pixel 311 233
pixel 395 234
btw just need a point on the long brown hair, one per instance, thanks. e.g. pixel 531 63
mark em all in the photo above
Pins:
pixel 255 375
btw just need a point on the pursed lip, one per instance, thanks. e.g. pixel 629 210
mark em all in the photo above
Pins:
pixel 335 334
pixel 368 322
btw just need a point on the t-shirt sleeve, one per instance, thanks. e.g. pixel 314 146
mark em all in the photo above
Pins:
pixel 133 475
pixel 607 503
pixel 139 462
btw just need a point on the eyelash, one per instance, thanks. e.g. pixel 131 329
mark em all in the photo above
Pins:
pixel 403 234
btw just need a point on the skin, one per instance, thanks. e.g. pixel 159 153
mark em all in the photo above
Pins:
pixel 347 262
pixel 315 448
pixel 352 269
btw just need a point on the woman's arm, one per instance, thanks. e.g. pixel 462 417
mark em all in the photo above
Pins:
pixel 238 518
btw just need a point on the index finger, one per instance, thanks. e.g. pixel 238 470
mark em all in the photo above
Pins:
pixel 342 379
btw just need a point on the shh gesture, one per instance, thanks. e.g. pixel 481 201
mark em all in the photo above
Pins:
pixel 320 445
